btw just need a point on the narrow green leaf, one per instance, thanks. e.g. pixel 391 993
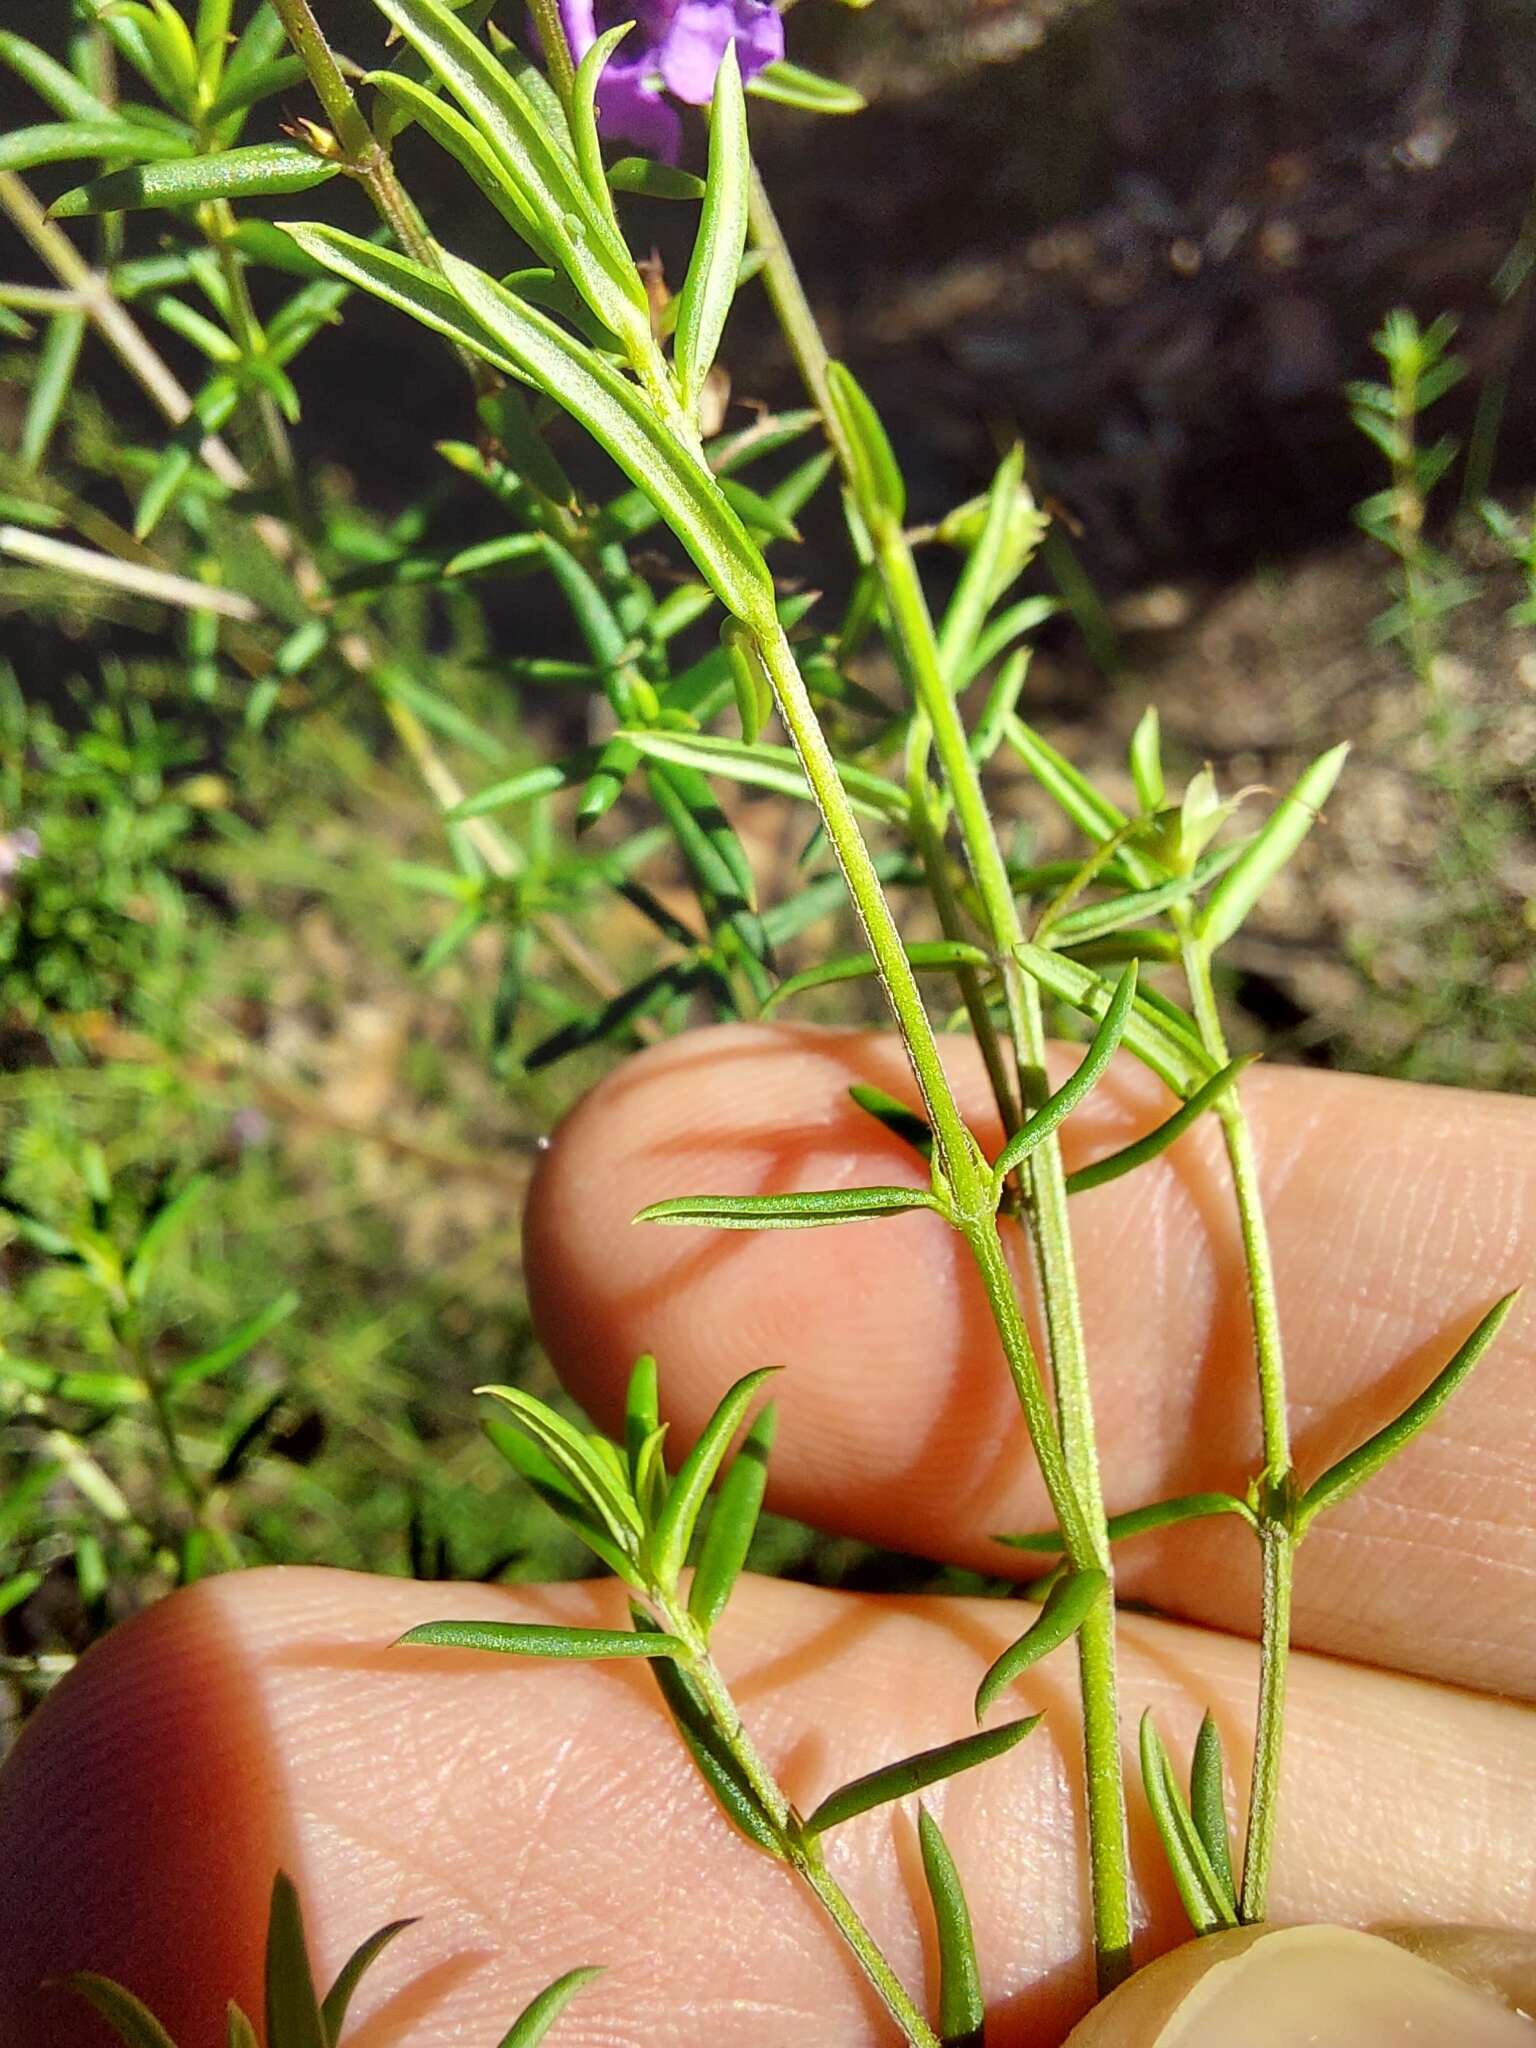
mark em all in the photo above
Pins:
pixel 238 95
pixel 962 2013
pixel 536 2019
pixel 1270 849
pixel 895 1117
pixel 1147 762
pixel 1058 1107
pixel 333 2012
pixel 1067 1606
pixel 1002 703
pixel 791 85
pixel 652 180
pixel 1114 914
pixel 548 1481
pixel 540 1639
pixel 466 144
pixel 703 833
pixel 1000 633
pixel 714 1762
pixel 1154 1030
pixel 239 2031
pixel 680 1513
pixel 51 80
pixel 763 766
pixel 54 374
pixel 928 1767
pixel 265 169
pixel 1208 1802
pixel 787 1212
pixel 749 679
pixel 589 150
pixel 710 285
pixel 193 1371
pixel 170 1218
pixel 757 513
pixel 569 1451
pixel 15 1590
pixel 55 142
pixel 1162 1514
pixel 642 1407
pixel 293 2008
pixel 1092 813
pixel 974 593
pixel 1208 1905
pixel 925 956
pixel 132 2022
pixel 732 1523
pixel 1129 1157
pixel 878 484
pixel 1341 1480
pixel 580 234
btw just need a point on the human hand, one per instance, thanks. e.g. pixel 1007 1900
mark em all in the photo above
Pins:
pixel 541 1817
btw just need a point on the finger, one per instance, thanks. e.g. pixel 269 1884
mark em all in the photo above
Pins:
pixel 1293 1987
pixel 1398 1214
pixel 542 1817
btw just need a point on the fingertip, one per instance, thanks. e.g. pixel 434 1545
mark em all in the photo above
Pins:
pixel 137 1817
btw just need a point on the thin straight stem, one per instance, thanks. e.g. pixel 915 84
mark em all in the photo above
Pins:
pixel 1275 1492
pixel 803 1852
pixel 555 44
pixel 1071 1440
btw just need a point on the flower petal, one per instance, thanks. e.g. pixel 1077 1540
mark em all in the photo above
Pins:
pixel 690 52
pixel 630 107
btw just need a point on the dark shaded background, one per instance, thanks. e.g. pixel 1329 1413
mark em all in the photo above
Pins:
pixel 1155 236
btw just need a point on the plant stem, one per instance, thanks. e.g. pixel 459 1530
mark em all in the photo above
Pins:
pixel 803 1852
pixel 1274 1491
pixel 1071 1441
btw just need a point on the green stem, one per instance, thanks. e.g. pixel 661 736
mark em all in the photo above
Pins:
pixel 557 49
pixel 1274 1488
pixel 1068 1459
pixel 192 1489
pixel 803 1852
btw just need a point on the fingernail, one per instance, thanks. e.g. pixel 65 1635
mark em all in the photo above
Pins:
pixel 1300 1987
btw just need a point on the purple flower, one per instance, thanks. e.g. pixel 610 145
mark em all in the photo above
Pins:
pixel 675 46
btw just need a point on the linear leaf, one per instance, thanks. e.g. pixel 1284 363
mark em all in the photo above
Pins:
pixel 582 236
pixel 926 956
pixel 589 150
pixel 56 361
pixel 1270 849
pixel 732 1523
pixel 714 1762
pixel 1162 1514
pixel 558 1494
pixel 465 143
pixel 293 2009
pixel 764 766
pixel 540 1639
pixel 792 85
pixel 1341 1480
pixel 1208 1905
pixel 1066 1607
pixel 265 169
pixel 237 95
pixel 652 180
pixel 928 1767
pixel 1092 813
pixel 333 2012
pixel 895 1117
pixel 133 2022
pixel 676 1522
pixel 962 2014
pixel 55 142
pixel 1173 1052
pixel 974 592
pixel 239 2031
pixel 1208 1801
pixel 1114 913
pixel 642 1413
pixel 787 1212
pixel 710 285
pixel 1147 761
pixel 193 1371
pixel 51 80
pixel 572 1455
pixel 536 2019
pixel 878 484
pixel 1129 1157
pixel 1058 1107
